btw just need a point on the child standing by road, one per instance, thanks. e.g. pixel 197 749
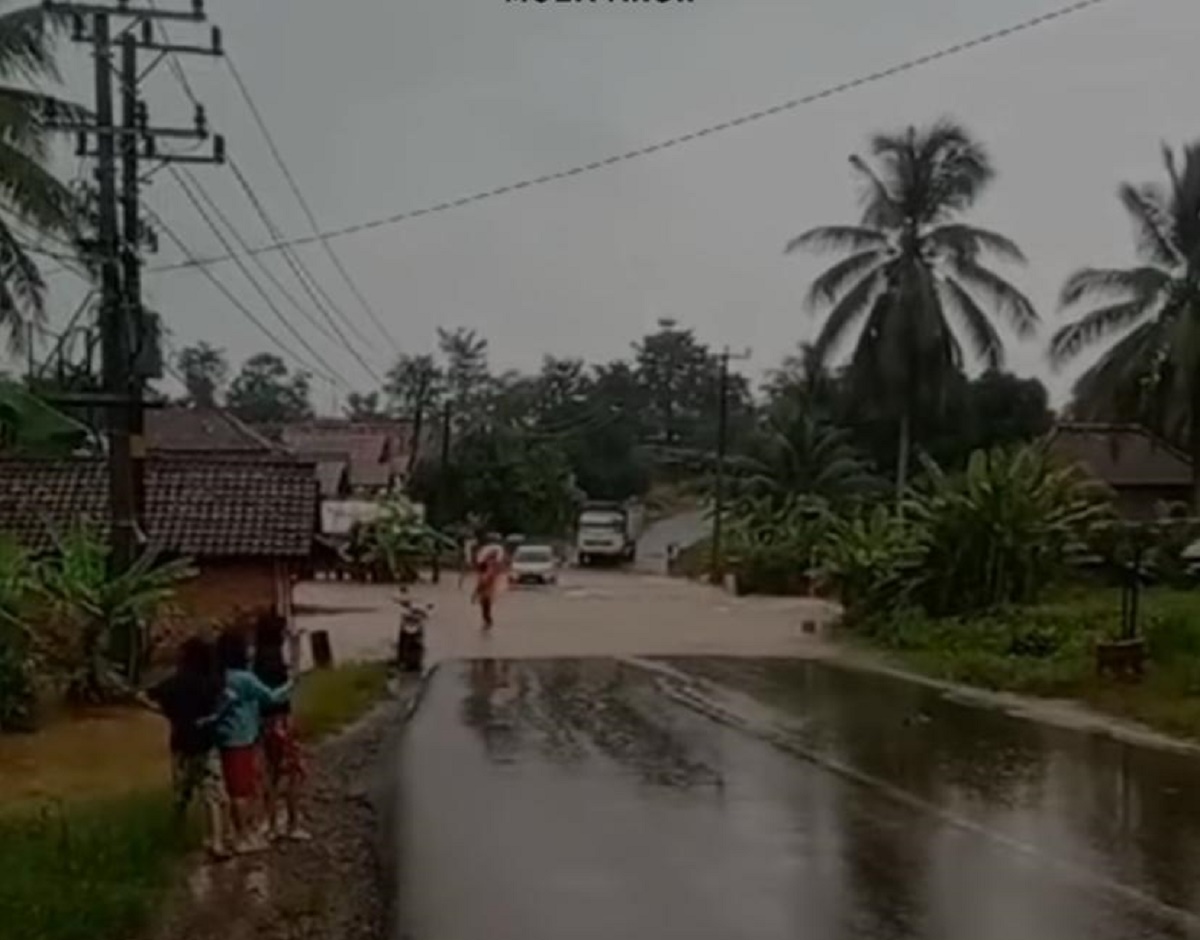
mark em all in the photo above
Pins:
pixel 191 699
pixel 285 769
pixel 238 734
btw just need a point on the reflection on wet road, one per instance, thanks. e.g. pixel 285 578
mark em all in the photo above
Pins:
pixel 590 799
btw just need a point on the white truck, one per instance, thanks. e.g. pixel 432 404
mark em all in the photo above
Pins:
pixel 609 532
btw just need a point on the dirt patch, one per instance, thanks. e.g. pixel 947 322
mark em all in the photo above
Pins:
pixel 329 889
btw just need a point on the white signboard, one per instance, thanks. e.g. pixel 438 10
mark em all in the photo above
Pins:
pixel 338 516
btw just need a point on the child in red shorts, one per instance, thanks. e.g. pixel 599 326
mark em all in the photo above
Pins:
pixel 285 768
pixel 239 734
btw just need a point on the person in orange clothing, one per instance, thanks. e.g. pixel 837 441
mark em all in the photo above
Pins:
pixel 490 568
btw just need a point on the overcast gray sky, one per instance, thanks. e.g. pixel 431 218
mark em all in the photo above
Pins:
pixel 387 105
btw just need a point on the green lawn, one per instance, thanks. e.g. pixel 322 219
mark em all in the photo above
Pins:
pixel 328 700
pixel 88 847
pixel 90 870
pixel 1048 650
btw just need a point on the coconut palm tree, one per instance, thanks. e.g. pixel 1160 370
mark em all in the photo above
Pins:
pixel 30 194
pixel 910 266
pixel 1152 371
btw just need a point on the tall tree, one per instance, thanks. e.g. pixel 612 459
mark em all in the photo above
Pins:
pixel 911 264
pixel 363 407
pixel 465 354
pixel 1152 371
pixel 266 392
pixel 204 369
pixel 30 194
pixel 679 376
pixel 414 387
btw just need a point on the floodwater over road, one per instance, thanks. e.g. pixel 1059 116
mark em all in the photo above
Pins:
pixel 739 799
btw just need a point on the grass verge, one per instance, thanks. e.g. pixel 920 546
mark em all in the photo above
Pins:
pixel 88 871
pixel 88 846
pixel 329 699
pixel 1048 650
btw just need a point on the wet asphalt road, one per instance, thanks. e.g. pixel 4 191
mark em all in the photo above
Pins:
pixel 739 799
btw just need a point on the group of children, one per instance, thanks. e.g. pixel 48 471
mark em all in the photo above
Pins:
pixel 232 740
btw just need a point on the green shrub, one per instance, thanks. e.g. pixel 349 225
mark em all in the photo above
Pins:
pixel 872 559
pixel 18 698
pixel 1172 635
pixel 18 695
pixel 772 544
pixel 1003 530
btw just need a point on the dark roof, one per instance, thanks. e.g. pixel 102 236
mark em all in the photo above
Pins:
pixel 375 451
pixel 202 508
pixel 1121 455
pixel 179 430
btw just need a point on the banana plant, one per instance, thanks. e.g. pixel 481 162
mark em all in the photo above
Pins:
pixel 104 617
pixel 1002 530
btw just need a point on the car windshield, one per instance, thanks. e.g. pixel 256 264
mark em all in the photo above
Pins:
pixel 601 520
pixel 534 553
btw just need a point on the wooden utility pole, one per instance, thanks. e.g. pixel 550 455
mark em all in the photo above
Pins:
pixel 440 489
pixel 716 569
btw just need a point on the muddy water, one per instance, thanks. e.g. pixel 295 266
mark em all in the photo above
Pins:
pixel 589 799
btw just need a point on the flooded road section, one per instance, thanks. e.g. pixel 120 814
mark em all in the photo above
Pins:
pixel 728 799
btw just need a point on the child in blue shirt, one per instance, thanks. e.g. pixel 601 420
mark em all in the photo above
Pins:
pixel 239 733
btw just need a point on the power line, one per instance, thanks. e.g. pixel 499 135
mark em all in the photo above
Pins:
pixel 831 91
pixel 304 204
pixel 303 274
pixel 270 275
pixel 308 281
pixel 228 294
pixel 254 282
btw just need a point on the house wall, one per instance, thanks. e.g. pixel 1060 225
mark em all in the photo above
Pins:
pixel 221 594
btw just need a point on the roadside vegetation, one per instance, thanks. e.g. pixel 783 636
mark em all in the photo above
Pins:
pixel 88 842
pixel 1004 568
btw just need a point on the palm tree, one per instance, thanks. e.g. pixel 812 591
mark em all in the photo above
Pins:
pixel 910 263
pixel 1152 372
pixel 30 195
pixel 799 452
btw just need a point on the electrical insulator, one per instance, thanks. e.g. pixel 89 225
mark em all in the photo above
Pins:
pixel 147 33
pixel 219 149
pixel 218 41
pixel 81 142
pixel 201 121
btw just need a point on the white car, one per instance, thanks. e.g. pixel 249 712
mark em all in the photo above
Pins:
pixel 533 564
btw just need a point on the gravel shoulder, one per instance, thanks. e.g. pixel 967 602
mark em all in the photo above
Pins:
pixel 328 889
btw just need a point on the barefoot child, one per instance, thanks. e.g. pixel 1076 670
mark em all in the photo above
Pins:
pixel 285 769
pixel 239 733
pixel 191 699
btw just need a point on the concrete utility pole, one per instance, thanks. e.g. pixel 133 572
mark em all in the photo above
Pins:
pixel 128 340
pixel 716 574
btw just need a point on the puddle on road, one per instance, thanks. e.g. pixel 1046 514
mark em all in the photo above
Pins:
pixel 569 709
pixel 1127 813
pixel 732 798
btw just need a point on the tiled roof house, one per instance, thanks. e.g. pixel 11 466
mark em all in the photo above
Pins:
pixel 247 524
pixel 375 452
